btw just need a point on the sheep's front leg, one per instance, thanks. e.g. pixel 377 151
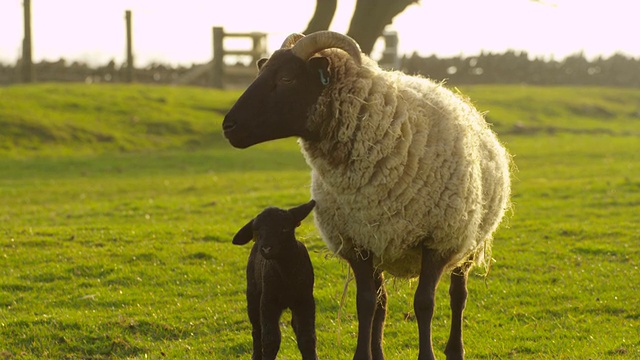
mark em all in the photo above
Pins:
pixel 379 317
pixel 458 301
pixel 271 336
pixel 304 326
pixel 253 308
pixel 424 301
pixel 362 265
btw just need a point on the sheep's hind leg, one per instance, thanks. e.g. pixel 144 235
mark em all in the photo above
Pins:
pixel 424 301
pixel 362 265
pixel 458 300
pixel 379 317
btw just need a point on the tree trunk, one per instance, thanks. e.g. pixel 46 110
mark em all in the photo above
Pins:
pixel 371 17
pixel 322 17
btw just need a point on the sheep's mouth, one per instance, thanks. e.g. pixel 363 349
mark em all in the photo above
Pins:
pixel 231 132
pixel 237 139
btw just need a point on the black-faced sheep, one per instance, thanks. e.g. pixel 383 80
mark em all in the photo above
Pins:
pixel 408 176
pixel 279 277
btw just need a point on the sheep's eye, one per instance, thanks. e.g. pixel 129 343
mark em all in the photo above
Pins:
pixel 286 230
pixel 286 80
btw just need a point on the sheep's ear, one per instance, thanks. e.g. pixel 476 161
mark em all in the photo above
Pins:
pixel 320 65
pixel 319 62
pixel 244 235
pixel 260 63
pixel 301 212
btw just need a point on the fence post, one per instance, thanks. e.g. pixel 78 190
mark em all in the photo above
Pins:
pixel 27 62
pixel 390 57
pixel 257 47
pixel 218 55
pixel 129 72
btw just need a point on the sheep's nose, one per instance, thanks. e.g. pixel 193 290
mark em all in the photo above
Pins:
pixel 228 124
pixel 265 250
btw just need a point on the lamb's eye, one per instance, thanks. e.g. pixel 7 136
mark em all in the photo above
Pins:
pixel 286 230
pixel 286 80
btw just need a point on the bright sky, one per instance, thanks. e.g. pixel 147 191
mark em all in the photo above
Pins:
pixel 94 31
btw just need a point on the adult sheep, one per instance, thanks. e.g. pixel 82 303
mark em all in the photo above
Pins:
pixel 407 176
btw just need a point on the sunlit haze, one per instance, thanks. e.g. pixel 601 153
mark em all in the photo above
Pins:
pixel 180 32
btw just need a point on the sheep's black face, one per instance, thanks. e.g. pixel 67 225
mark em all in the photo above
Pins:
pixel 274 230
pixel 277 104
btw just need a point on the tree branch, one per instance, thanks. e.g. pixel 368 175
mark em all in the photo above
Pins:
pixel 322 17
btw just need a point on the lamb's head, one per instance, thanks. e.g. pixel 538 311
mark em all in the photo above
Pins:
pixel 274 229
pixel 278 102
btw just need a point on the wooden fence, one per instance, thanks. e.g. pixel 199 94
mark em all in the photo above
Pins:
pixel 223 73
pixel 510 67
pixel 216 70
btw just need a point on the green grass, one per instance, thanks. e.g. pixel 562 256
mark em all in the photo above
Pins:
pixel 119 245
pixel 72 118
pixel 587 110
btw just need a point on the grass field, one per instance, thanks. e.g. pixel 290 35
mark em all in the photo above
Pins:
pixel 118 205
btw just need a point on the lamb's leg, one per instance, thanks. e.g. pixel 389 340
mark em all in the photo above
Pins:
pixel 379 317
pixel 458 298
pixel 304 326
pixel 271 336
pixel 253 308
pixel 424 301
pixel 362 265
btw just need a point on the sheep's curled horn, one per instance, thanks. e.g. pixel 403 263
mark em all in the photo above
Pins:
pixel 291 40
pixel 305 46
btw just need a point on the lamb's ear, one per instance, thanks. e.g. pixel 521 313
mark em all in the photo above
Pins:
pixel 301 212
pixel 244 235
pixel 320 65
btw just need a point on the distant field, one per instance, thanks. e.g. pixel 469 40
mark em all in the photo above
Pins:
pixel 119 204
pixel 79 118
pixel 53 119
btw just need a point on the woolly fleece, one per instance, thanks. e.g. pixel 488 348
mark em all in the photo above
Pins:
pixel 403 162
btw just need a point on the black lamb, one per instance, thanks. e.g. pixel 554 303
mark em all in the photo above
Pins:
pixel 279 276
